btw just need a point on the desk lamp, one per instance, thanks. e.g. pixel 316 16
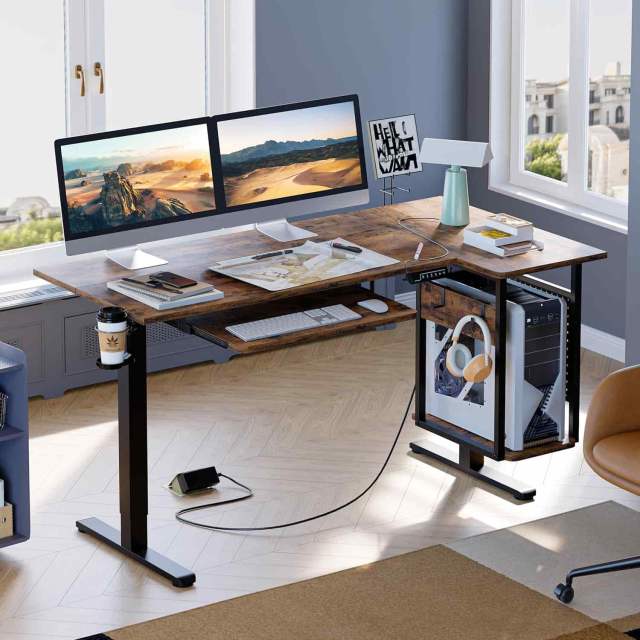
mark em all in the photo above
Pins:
pixel 458 154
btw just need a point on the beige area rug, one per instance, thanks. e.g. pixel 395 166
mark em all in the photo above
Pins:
pixel 433 593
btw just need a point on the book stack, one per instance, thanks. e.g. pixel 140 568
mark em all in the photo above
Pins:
pixel 502 235
pixel 161 297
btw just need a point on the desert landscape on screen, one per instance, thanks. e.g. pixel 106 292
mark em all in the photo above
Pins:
pixel 138 178
pixel 290 153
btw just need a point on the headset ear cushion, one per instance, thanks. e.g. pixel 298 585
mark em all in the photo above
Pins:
pixel 478 369
pixel 458 357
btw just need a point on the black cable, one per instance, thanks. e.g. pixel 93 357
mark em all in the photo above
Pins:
pixel 288 524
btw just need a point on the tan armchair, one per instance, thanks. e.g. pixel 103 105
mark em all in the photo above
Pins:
pixel 612 449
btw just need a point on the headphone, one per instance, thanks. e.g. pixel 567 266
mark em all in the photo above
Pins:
pixel 460 362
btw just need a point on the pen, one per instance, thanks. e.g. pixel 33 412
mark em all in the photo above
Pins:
pixel 272 254
pixel 418 250
pixel 346 247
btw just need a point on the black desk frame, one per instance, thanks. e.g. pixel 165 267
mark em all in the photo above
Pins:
pixel 134 493
pixel 471 454
pixel 131 539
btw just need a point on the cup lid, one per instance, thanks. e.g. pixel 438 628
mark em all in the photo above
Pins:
pixel 112 314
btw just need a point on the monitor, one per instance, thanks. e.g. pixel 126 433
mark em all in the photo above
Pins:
pixel 122 188
pixel 301 158
pixel 135 185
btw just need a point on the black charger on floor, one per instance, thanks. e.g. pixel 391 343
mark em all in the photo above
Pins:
pixel 196 480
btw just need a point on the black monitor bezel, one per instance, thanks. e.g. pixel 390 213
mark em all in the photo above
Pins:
pixel 216 164
pixel 69 236
pixel 249 113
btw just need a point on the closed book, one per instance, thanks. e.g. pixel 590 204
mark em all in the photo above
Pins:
pixel 6 520
pixel 520 229
pixel 164 292
pixel 505 250
pixel 152 299
pixel 514 249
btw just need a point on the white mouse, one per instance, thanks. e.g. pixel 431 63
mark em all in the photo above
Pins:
pixel 375 305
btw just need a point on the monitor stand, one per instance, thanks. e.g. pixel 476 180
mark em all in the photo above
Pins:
pixel 283 231
pixel 134 258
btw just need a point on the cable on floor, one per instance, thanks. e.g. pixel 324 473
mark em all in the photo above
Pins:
pixel 180 514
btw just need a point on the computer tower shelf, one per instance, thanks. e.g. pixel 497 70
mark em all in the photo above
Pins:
pixel 459 435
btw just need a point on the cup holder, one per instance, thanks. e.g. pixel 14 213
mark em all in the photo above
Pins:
pixel 128 359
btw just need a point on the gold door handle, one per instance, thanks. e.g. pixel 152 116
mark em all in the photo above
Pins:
pixel 80 76
pixel 98 71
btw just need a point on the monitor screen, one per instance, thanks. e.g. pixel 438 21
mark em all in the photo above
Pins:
pixel 122 180
pixel 292 152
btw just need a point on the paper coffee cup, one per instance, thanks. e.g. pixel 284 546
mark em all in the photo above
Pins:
pixel 112 334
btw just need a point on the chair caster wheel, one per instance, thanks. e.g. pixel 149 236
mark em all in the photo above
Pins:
pixel 564 593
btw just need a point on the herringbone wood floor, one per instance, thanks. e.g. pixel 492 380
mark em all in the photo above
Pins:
pixel 307 428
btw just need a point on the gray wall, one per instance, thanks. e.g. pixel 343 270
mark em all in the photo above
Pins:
pixel 633 251
pixel 604 281
pixel 308 50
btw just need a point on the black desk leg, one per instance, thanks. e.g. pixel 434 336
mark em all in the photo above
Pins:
pixel 132 432
pixel 471 462
pixel 573 352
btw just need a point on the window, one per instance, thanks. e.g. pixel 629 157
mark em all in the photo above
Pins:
pixel 576 54
pixel 549 128
pixel 93 65
pixel 33 115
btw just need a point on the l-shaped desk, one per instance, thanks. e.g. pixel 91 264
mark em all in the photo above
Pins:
pixel 376 228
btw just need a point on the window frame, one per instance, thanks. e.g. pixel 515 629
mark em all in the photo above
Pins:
pixel 508 123
pixel 229 65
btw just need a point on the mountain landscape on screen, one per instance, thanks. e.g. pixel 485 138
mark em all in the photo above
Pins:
pixel 289 153
pixel 115 182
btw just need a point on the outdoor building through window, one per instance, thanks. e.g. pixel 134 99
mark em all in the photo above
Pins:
pixel 564 128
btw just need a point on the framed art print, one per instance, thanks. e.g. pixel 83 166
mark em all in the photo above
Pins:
pixel 394 146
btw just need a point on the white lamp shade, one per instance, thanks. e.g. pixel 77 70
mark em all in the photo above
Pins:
pixel 455 152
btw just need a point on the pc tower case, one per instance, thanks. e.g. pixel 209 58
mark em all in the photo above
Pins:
pixel 535 368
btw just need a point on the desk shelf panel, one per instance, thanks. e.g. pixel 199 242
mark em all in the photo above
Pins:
pixel 461 436
pixel 213 327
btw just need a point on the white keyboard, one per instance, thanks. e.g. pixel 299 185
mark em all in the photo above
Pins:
pixel 292 322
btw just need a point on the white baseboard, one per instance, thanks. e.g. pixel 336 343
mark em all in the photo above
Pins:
pixel 603 343
pixel 592 339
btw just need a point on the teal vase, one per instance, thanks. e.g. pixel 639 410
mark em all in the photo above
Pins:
pixel 455 199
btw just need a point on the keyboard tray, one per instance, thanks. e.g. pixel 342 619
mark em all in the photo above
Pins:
pixel 212 327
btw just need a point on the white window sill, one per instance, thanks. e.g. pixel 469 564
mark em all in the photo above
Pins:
pixel 555 204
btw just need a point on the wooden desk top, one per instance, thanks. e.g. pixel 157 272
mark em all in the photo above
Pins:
pixel 375 228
